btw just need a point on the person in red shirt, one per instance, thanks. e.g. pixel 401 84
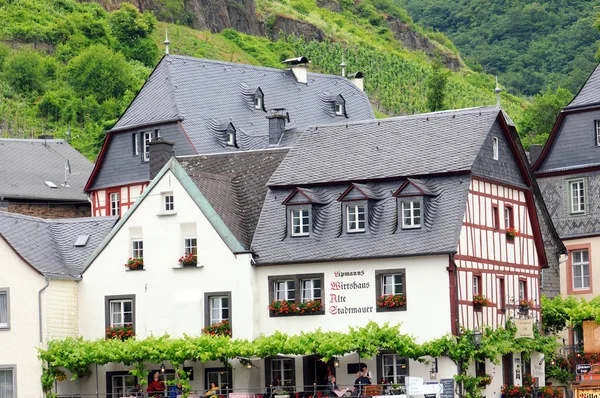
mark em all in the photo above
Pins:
pixel 157 385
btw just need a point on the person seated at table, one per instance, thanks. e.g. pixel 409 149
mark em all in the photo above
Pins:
pixel 332 389
pixel 157 385
pixel 176 390
pixel 136 391
pixel 359 384
pixel 212 391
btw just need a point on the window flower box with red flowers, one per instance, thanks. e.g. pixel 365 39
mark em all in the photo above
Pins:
pixel 511 233
pixel 120 332
pixel 510 390
pixel 222 328
pixel 392 302
pixel 525 305
pixel 480 301
pixel 188 260
pixel 284 307
pixel 485 381
pixel 135 264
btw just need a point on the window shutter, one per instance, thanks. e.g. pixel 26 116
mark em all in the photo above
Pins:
pixel 133 144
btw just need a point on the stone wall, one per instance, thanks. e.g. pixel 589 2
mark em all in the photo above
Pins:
pixel 48 210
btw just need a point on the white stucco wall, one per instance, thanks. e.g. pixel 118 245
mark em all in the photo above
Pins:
pixel 18 345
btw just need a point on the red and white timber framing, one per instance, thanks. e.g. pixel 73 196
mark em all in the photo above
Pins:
pixel 101 198
pixel 486 257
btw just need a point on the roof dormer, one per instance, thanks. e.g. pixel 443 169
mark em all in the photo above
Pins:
pixel 411 200
pixel 300 208
pixel 259 100
pixel 230 135
pixel 340 106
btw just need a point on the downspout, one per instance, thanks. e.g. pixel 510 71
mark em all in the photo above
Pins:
pixel 40 306
pixel 456 324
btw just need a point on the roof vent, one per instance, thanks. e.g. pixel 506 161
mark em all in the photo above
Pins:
pixel 299 67
pixel 81 240
pixel 50 184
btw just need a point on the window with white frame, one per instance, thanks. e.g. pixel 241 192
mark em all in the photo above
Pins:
pixel 508 217
pixel 8 386
pixel 168 202
pixel 190 245
pixel 282 370
pixel 597 124
pixel 122 384
pixel 257 101
pixel 355 218
pixel 300 222
pixel 121 312
pixel 581 269
pixel 231 136
pixel 219 308
pixel 221 379
pixel 339 109
pixel 392 284
pixel 115 204
pixel 285 290
pixel 477 285
pixel 411 213
pixel 522 290
pixel 135 143
pixel 311 289
pixel 137 248
pixel 4 309
pixel 394 368
pixel 577 196
pixel 495 149
pixel 146 138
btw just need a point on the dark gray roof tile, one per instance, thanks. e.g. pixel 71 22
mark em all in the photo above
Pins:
pixel 590 92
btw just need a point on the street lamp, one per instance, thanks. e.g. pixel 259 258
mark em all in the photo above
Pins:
pixel 477 335
pixel 336 363
pixel 434 369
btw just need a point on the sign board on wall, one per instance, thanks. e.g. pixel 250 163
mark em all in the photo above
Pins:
pixel 348 291
pixel 583 368
pixel 587 393
pixel 591 336
pixel 447 388
pixel 524 328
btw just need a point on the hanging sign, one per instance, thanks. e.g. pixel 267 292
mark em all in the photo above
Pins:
pixel 524 328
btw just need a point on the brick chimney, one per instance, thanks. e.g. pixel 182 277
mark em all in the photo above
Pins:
pixel 160 153
pixel 277 120
pixel 534 152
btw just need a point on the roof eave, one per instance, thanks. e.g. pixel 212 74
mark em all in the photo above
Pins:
pixel 327 260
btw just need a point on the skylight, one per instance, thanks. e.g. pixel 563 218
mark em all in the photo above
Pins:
pixel 81 240
pixel 50 184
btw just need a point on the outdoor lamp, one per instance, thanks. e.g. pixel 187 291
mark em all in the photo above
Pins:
pixel 336 363
pixel 434 369
pixel 477 335
pixel 162 367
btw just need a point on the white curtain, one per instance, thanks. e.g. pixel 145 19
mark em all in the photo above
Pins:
pixel 6 383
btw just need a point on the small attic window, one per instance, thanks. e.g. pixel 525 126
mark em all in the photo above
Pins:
pixel 231 141
pixel 340 106
pixel 81 240
pixel 258 99
pixel 50 184
pixel 495 148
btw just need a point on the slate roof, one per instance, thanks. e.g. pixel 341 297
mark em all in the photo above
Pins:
pixel 235 185
pixel 424 144
pixel 589 94
pixel 26 163
pixel 48 245
pixel 207 95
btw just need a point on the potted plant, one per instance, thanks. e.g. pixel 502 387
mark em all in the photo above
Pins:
pixel 281 393
pixel 511 233
pixel 525 305
pixel 391 301
pixel 188 260
pixel 485 380
pixel 546 392
pixel 283 307
pixel 120 332
pixel 135 264
pixel 480 301
pixel 222 328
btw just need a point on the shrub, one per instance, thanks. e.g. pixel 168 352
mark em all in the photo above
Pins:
pixel 24 71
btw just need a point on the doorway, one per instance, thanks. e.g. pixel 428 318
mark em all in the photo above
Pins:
pixel 316 372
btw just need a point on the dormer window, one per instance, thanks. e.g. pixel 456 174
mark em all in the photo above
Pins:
pixel 411 213
pixel 412 196
pixel 230 133
pixel 597 123
pixel 259 99
pixel 495 151
pixel 340 106
pixel 300 206
pixel 355 218
pixel 300 221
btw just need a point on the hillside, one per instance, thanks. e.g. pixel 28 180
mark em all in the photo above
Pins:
pixel 530 44
pixel 70 66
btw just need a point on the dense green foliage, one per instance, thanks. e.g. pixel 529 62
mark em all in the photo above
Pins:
pixel 538 119
pixel 529 44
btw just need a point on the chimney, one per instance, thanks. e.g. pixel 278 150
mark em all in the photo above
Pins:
pixel 160 153
pixel 534 152
pixel 277 119
pixel 358 80
pixel 299 67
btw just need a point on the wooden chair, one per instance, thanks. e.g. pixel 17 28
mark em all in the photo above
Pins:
pixel 371 391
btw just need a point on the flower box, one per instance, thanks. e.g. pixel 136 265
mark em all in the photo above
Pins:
pixel 222 328
pixel 284 307
pixel 135 264
pixel 188 260
pixel 120 332
pixel 480 301
pixel 510 390
pixel 511 233
pixel 485 380
pixel 391 301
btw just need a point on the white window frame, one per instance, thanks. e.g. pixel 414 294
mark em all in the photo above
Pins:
pixel 13 371
pixel 477 290
pixel 115 204
pixel 116 390
pixel 137 248
pixel 393 366
pixel 257 101
pixel 508 217
pixel 136 144
pixel 339 109
pixel 309 291
pixel 495 148
pixel 146 139
pixel 522 290
pixel 597 123
pixel 190 245
pixel 298 216
pixel 580 264
pixel 579 207
pixel 412 218
pixel 122 312
pixel 214 309
pixel 355 210
pixel 278 374
pixel 282 290
pixel 5 291
pixel 168 202
pixel 390 282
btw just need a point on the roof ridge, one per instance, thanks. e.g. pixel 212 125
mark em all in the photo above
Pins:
pixel 170 85
pixel 53 231
pixel 34 140
pixel 239 153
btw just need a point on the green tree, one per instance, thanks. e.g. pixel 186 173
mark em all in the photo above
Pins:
pixel 538 118
pixel 24 71
pixel 99 72
pixel 436 87
pixel 132 31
